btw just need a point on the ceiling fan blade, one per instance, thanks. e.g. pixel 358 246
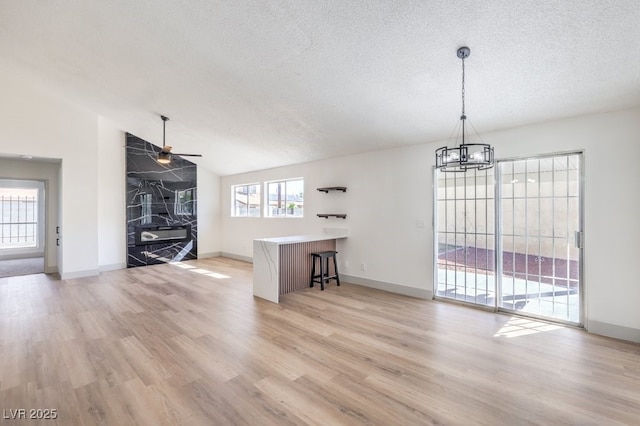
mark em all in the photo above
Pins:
pixel 187 155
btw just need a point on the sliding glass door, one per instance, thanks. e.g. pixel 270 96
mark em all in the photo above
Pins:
pixel 465 236
pixel 511 237
pixel 540 236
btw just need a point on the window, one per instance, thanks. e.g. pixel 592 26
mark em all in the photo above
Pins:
pixel 18 217
pixel 21 217
pixel 245 200
pixel 285 198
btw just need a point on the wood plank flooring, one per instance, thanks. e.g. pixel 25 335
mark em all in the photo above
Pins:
pixel 189 345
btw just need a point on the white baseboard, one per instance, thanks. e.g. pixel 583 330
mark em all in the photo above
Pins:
pixel 237 257
pixel 208 255
pixel 79 274
pixel 112 267
pixel 420 293
pixel 615 331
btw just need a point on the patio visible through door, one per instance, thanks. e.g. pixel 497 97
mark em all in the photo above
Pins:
pixel 465 206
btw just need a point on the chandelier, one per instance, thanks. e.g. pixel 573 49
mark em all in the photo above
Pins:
pixel 466 156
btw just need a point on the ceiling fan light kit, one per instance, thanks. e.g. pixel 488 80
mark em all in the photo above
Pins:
pixel 164 157
pixel 165 154
pixel 466 156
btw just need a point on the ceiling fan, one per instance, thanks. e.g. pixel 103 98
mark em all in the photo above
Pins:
pixel 164 156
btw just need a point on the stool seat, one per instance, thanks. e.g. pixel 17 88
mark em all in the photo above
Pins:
pixel 324 274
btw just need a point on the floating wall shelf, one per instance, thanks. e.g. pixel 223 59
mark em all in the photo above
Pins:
pixel 333 188
pixel 326 191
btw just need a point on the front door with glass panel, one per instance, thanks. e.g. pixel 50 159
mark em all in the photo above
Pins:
pixel 530 263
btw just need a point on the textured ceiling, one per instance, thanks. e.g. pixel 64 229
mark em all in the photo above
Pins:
pixel 259 84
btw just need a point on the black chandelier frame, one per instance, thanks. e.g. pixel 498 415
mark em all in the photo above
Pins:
pixel 466 156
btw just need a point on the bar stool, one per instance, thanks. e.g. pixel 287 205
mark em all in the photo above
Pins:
pixel 324 268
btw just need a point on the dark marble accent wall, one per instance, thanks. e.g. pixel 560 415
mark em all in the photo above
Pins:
pixel 159 195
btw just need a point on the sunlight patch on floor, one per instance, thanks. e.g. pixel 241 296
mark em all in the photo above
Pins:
pixel 217 275
pixel 202 271
pixel 182 265
pixel 517 327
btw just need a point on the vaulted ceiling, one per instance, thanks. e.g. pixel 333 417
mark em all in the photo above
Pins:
pixel 259 84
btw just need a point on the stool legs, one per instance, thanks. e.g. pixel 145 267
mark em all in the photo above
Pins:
pixel 313 270
pixel 323 274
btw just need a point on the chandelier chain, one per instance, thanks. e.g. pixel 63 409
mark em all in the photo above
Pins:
pixel 462 87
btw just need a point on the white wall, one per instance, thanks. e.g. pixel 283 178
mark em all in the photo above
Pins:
pixel 37 124
pixel 112 226
pixel 46 172
pixel 389 198
pixel 209 241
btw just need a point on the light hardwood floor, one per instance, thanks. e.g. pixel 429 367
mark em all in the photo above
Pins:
pixel 177 346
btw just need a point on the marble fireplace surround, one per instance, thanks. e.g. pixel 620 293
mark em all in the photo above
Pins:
pixel 161 198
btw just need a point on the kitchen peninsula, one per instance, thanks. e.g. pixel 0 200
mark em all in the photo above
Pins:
pixel 282 265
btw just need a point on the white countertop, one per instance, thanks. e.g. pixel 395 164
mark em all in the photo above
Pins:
pixel 302 238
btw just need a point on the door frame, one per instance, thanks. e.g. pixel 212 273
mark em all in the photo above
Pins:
pixel 498 239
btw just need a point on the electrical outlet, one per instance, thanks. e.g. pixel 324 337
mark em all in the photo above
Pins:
pixel 346 264
pixel 363 266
